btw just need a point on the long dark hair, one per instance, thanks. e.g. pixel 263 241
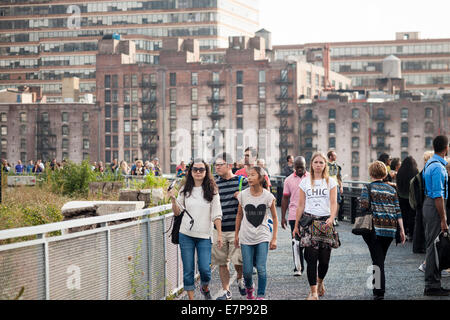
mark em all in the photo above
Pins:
pixel 406 172
pixel 209 185
pixel 262 176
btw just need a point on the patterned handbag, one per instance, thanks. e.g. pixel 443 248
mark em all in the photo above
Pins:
pixel 322 232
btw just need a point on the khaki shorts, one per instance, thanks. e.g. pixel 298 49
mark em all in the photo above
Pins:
pixel 228 252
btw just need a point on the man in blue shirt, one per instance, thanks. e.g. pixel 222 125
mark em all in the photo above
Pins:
pixel 434 215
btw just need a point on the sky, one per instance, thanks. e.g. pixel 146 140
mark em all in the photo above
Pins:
pixel 307 21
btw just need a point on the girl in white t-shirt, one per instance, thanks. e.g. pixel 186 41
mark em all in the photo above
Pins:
pixel 256 230
pixel 318 207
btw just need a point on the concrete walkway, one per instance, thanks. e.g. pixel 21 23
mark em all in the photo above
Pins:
pixel 346 278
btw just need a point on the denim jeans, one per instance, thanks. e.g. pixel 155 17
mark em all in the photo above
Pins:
pixel 257 253
pixel 188 245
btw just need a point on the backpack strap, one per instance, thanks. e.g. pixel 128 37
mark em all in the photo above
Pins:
pixel 241 178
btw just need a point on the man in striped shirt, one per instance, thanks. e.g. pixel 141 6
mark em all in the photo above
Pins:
pixel 229 186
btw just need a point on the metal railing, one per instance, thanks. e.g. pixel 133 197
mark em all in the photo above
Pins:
pixel 117 260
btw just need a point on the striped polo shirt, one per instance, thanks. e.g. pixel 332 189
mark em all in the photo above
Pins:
pixel 229 203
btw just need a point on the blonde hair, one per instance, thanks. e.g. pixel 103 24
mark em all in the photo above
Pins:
pixel 427 155
pixel 325 174
pixel 378 170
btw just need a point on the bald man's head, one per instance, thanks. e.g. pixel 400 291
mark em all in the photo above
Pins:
pixel 300 166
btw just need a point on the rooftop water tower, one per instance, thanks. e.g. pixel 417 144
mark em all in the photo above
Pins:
pixel 391 80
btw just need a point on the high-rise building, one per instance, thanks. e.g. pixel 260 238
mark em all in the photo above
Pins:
pixel 43 41
pixel 425 63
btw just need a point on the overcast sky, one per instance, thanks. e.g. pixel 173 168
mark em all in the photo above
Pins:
pixel 306 21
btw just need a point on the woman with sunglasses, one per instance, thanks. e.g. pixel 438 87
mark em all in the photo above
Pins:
pixel 200 198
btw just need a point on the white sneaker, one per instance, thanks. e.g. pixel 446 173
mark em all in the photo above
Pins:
pixel 422 267
pixel 297 273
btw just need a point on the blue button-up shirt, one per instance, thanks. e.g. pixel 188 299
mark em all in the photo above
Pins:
pixel 436 178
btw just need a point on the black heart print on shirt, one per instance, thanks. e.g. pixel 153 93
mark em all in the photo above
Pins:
pixel 255 215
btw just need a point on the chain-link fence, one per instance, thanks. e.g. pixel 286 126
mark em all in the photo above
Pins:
pixel 118 260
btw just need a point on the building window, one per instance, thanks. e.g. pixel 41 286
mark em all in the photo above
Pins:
pixel 65 143
pixel 45 117
pixel 240 93
pixel 85 116
pixel 331 142
pixel 194 96
pixel 107 81
pixel 23 129
pixel 194 110
pixel 85 144
pixel 239 77
pixel 23 143
pixel 239 107
pixel 23 117
pixel 355 171
pixel 173 79
pixel 332 114
pixel 355 157
pixel 262 92
pixel 355 142
pixel 115 143
pixel 126 126
pixel 215 77
pixel 404 154
pixel 126 141
pixel 428 142
pixel 239 123
pixel 115 126
pixel 107 126
pixel 284 74
pixel 134 126
pixel 429 127
pixel 331 128
pixel 262 76
pixel 134 80
pixel 404 113
pixel 194 78
pixel 107 141
pixel 404 142
pixel 428 113
pixel 380 126
pixel 65 130
pixel 86 130
pixel 355 127
pixel 308 114
pixel 173 94
pixel 355 113
pixel 115 81
pixel 380 112
pixel 308 77
pixel 134 96
pixel 134 111
pixel 4 130
pixel 107 111
pixel 404 127
pixel 262 108
pixel 173 110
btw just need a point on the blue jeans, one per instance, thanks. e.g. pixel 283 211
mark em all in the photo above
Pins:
pixel 257 253
pixel 188 245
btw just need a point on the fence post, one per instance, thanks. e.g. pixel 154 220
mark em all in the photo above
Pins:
pixel 108 261
pixel 149 254
pixel 165 257
pixel 46 267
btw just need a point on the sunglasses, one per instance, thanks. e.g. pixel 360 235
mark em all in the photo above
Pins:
pixel 201 170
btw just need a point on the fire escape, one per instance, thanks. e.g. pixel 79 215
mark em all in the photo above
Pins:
pixel 149 116
pixel 215 113
pixel 46 140
pixel 284 114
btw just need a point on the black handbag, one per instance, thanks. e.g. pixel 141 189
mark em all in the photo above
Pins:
pixel 305 221
pixel 175 234
pixel 442 251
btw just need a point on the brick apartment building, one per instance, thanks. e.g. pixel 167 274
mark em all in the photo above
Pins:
pixel 183 108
